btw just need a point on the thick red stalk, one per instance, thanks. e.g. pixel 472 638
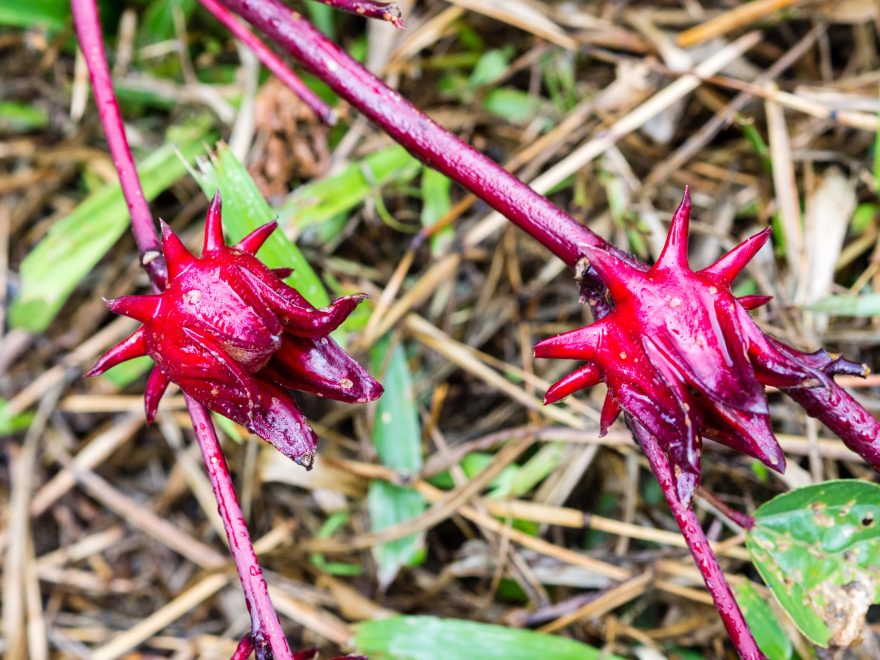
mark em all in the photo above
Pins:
pixel 425 139
pixel 91 41
pixel 555 229
pixel 385 11
pixel 271 61
pixel 266 630
pixel 687 521
pixel 266 627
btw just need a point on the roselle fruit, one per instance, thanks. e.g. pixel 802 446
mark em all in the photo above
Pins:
pixel 233 336
pixel 682 356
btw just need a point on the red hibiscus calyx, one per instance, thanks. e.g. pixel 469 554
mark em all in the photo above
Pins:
pixel 680 353
pixel 233 336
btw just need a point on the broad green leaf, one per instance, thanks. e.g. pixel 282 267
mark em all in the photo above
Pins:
pixel 20 117
pixel 490 67
pixel 863 217
pixel 10 424
pixel 75 244
pixel 398 441
pixel 52 14
pixel 433 638
pixel 158 20
pixel 818 549
pixel 864 305
pixel 514 105
pixel 769 635
pixel 321 200
pixel 245 209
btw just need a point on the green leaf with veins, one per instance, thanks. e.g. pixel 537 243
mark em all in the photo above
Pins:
pixel 818 549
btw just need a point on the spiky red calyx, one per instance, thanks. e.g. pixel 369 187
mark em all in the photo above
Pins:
pixel 235 337
pixel 682 356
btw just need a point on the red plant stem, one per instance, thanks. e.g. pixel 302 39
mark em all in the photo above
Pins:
pixel 839 411
pixel 244 649
pixel 88 29
pixel 690 527
pixel 420 135
pixel 535 214
pixel 385 11
pixel 266 628
pixel 552 227
pixel 271 61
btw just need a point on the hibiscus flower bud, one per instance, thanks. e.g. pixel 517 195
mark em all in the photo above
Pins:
pixel 233 336
pixel 681 355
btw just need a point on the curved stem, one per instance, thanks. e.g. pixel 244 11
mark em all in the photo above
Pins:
pixel 266 628
pixel 266 635
pixel 271 61
pixel 384 11
pixel 690 527
pixel 91 41
pixel 425 139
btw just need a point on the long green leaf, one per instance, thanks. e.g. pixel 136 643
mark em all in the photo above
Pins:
pixel 769 635
pixel 818 549
pixel 245 209
pixel 75 244
pixel 52 14
pixel 864 305
pixel 397 439
pixel 433 638
pixel 326 198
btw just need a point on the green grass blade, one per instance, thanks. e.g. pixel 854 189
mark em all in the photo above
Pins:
pixel 245 209
pixel 52 14
pixel 322 200
pixel 74 245
pixel 397 439
pixel 769 635
pixel 864 305
pixel 433 638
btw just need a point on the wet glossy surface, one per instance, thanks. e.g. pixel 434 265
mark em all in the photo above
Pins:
pixel 682 356
pixel 233 337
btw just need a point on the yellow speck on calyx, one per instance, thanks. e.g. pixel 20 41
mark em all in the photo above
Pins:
pixel 622 355
pixel 713 290
pixel 675 302
pixel 346 384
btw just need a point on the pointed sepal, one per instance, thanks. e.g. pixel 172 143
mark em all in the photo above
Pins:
pixel 732 264
pixel 610 412
pixel 620 278
pixel 321 367
pixel 674 255
pixel 581 378
pixel 157 383
pixel 214 226
pixel 579 344
pixel 254 241
pixel 129 348
pixel 141 308
pixel 177 256
pixel 753 302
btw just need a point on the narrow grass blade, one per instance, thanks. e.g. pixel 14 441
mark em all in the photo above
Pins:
pixel 52 14
pixel 321 200
pixel 433 638
pixel 397 439
pixel 864 305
